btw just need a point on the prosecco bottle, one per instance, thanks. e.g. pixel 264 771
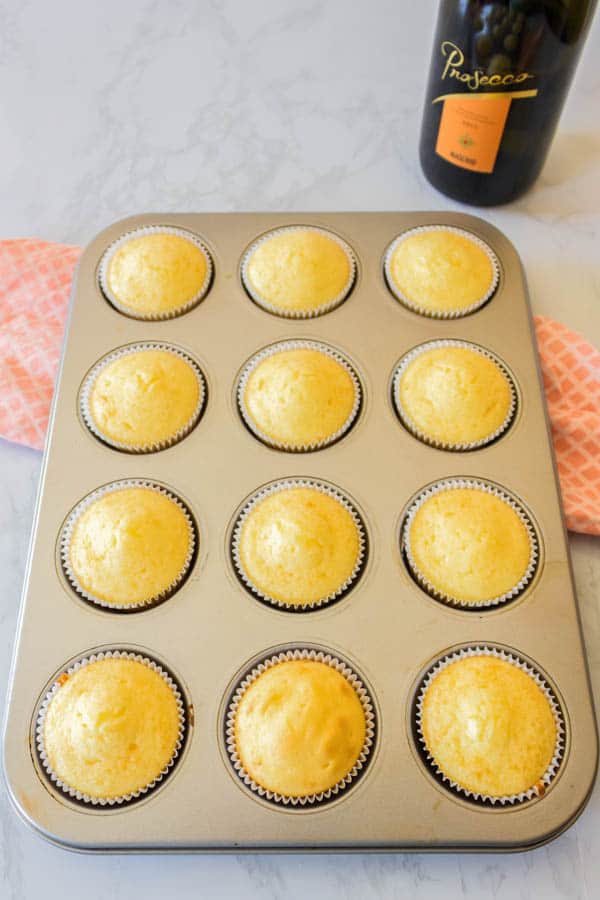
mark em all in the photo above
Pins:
pixel 499 76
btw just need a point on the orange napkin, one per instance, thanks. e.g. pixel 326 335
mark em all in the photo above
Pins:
pixel 35 281
pixel 571 371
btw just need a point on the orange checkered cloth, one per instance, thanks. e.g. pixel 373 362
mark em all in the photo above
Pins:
pixel 35 281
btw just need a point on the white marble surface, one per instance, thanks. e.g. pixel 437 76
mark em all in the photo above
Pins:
pixel 118 107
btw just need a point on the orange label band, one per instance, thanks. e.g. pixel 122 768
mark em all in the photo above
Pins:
pixel 471 129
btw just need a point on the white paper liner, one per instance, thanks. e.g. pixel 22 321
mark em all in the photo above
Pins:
pixel 286 484
pixel 536 790
pixel 39 729
pixel 441 314
pixel 151 446
pixel 410 425
pixel 370 725
pixel 280 347
pixel 165 314
pixel 476 484
pixel 302 313
pixel 67 533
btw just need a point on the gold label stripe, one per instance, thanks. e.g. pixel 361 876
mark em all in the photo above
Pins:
pixel 515 95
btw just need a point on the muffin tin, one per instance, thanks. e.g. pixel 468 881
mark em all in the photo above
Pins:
pixel 212 631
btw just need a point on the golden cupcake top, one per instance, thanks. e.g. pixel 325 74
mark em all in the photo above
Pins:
pixel 128 546
pixel 489 726
pixel 469 545
pixel 156 274
pixel 144 398
pixel 453 395
pixel 298 271
pixel 299 728
pixel 298 546
pixel 111 728
pixel 299 397
pixel 440 271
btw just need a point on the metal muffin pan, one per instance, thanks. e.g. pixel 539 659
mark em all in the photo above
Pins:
pixel 386 628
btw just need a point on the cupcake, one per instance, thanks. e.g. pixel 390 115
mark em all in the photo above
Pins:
pixel 143 398
pixel 490 726
pixel 453 395
pixel 468 543
pixel 298 395
pixel 298 545
pixel 110 728
pixel 298 272
pixel 155 272
pixel 128 546
pixel 300 727
pixel 441 271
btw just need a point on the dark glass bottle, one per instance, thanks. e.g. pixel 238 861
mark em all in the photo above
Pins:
pixel 499 76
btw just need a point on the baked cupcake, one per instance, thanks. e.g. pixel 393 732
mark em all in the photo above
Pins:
pixel 299 272
pixel 110 728
pixel 469 544
pixel 490 726
pixel 298 545
pixel 128 546
pixel 143 398
pixel 300 727
pixel 298 395
pixel 453 395
pixel 155 272
pixel 441 271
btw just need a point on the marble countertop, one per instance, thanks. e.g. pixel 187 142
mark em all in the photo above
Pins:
pixel 115 108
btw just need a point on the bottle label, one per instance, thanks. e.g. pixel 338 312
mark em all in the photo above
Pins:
pixel 472 123
pixel 471 129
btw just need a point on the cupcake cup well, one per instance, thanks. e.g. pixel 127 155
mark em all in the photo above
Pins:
pixel 326 489
pixel 152 446
pixel 78 795
pixel 300 344
pixel 477 484
pixel 360 766
pixel 509 800
pixel 408 423
pixel 299 314
pixel 140 232
pixel 67 532
pixel 444 314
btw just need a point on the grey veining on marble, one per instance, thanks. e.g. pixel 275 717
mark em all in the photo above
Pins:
pixel 119 107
